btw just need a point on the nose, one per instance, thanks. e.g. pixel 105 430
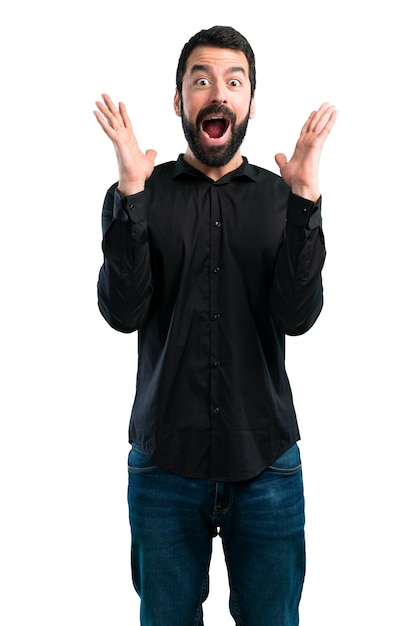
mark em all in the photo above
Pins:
pixel 218 93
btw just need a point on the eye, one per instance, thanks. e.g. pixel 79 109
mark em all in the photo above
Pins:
pixel 202 82
pixel 234 82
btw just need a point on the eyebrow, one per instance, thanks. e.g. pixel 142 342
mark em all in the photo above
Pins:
pixel 206 68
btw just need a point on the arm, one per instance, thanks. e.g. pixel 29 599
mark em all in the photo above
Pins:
pixel 125 281
pixel 296 296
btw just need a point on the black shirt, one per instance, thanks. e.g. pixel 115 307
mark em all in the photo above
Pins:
pixel 212 275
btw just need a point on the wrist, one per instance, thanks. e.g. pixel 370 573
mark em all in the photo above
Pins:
pixel 309 193
pixel 129 188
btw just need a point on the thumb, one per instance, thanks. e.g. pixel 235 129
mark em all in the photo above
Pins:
pixel 151 154
pixel 280 160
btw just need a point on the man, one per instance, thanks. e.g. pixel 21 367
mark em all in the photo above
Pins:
pixel 213 260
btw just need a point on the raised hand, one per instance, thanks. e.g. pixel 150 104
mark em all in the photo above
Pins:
pixel 135 167
pixel 301 172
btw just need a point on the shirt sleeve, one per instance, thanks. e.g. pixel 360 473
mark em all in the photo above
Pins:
pixel 297 296
pixel 125 278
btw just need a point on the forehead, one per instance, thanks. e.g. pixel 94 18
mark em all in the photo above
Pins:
pixel 217 58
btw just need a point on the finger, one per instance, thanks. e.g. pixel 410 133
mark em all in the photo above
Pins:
pixel 124 115
pixel 325 122
pixel 281 160
pixel 109 103
pixel 307 125
pixel 107 113
pixel 104 124
pixel 314 117
pixel 151 154
pixel 325 131
pixel 112 114
pixel 321 118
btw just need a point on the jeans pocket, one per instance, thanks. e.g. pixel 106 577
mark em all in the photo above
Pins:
pixel 138 461
pixel 288 463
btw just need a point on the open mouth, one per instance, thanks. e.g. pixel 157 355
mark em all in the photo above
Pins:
pixel 215 126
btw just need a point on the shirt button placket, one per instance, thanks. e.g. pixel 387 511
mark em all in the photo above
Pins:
pixel 215 313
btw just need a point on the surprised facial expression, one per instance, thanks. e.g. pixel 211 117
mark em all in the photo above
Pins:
pixel 215 104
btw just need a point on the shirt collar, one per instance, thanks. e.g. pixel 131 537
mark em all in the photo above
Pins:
pixel 245 170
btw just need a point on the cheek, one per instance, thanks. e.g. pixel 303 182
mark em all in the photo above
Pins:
pixel 193 104
pixel 190 113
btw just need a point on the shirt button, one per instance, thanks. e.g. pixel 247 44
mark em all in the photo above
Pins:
pixel 216 316
pixel 132 206
pixel 216 269
pixel 216 363
pixel 218 224
pixel 216 410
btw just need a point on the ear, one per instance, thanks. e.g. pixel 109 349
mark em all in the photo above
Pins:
pixel 252 107
pixel 177 103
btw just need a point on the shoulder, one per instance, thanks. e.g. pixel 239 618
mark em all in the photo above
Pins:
pixel 262 174
pixel 163 170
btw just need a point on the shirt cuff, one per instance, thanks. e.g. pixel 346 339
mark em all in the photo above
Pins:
pixel 130 208
pixel 304 213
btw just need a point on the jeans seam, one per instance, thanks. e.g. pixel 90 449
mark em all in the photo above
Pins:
pixel 141 470
pixel 227 508
pixel 233 597
pixel 286 472
pixel 203 595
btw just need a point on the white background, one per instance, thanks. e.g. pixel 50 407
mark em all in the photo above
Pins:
pixel 68 379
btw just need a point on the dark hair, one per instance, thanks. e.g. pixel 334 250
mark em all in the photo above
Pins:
pixel 216 37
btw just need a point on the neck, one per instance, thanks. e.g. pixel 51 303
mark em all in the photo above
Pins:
pixel 215 173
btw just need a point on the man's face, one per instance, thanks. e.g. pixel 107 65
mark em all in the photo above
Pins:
pixel 215 104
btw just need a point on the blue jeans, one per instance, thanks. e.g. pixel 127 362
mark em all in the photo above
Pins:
pixel 261 523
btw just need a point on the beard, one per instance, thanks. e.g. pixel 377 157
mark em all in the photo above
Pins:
pixel 214 156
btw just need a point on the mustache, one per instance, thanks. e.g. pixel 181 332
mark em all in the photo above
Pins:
pixel 216 109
